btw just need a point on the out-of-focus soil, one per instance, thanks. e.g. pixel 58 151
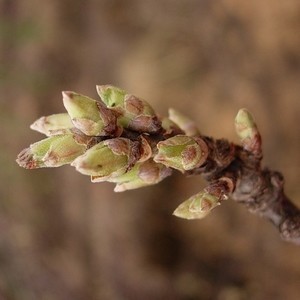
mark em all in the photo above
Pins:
pixel 62 237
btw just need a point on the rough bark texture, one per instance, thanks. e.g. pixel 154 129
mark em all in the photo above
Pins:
pixel 261 190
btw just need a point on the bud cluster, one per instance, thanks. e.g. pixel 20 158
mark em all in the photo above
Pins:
pixel 110 139
pixel 120 139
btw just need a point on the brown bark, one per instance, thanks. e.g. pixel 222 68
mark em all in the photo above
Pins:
pixel 261 190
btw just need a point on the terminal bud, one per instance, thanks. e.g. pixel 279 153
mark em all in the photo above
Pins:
pixel 53 124
pixel 248 133
pixel 53 151
pixel 92 117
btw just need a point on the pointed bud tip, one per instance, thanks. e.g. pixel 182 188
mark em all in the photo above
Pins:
pixel 103 88
pixel 119 188
pixel 25 159
pixel 38 125
pixel 68 94
pixel 245 118
pixel 67 98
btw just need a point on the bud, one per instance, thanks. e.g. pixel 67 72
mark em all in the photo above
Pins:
pixel 140 116
pixel 197 207
pixel 108 158
pixel 142 174
pixel 181 152
pixel 53 151
pixel 53 124
pixel 247 131
pixel 111 95
pixel 133 113
pixel 90 116
pixel 185 123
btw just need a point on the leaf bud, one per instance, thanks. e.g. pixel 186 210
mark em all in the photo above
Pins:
pixel 92 117
pixel 197 206
pixel 108 158
pixel 181 152
pixel 140 116
pixel 142 174
pixel 248 133
pixel 53 124
pixel 133 113
pixel 53 151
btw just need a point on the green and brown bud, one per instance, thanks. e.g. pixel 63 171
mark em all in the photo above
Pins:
pixel 182 152
pixel 248 133
pixel 108 158
pixel 53 124
pixel 184 123
pixel 140 116
pixel 92 117
pixel 53 151
pixel 133 113
pixel 197 206
pixel 141 175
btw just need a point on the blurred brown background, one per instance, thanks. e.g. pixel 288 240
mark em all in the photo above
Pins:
pixel 62 237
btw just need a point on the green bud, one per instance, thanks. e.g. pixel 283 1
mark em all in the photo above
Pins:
pixel 53 124
pixel 140 116
pixel 146 174
pixel 108 158
pixel 181 152
pixel 133 113
pixel 247 131
pixel 53 151
pixel 142 174
pixel 137 107
pixel 90 116
pixel 197 207
pixel 111 95
pixel 185 123
pixel 245 125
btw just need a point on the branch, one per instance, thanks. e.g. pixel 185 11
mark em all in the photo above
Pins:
pixel 121 139
pixel 259 189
